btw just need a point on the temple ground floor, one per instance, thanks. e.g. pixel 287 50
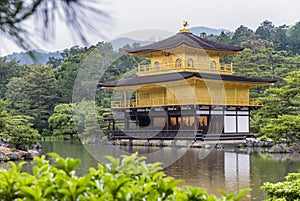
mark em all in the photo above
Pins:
pixel 188 122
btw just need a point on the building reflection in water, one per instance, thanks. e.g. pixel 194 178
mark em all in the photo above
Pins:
pixel 229 171
pixel 237 170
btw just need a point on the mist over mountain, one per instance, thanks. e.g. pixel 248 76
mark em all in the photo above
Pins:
pixel 121 42
pixel 37 56
pixel 40 57
pixel 202 29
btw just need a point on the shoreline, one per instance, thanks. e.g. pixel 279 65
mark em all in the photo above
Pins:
pixel 8 154
pixel 250 142
pixel 219 144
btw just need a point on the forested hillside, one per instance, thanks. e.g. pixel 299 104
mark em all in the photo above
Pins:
pixel 44 91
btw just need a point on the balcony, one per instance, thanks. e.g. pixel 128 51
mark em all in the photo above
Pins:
pixel 173 101
pixel 123 104
pixel 174 67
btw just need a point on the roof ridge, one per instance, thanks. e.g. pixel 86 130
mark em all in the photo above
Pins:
pixel 189 39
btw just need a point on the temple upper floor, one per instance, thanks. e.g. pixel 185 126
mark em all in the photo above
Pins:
pixel 185 52
pixel 177 60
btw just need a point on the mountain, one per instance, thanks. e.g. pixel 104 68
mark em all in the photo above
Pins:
pixel 121 42
pixel 198 30
pixel 37 56
pixel 41 57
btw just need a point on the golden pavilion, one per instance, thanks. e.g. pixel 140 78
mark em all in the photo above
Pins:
pixel 183 93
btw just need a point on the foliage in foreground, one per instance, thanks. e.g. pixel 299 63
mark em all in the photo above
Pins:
pixel 287 190
pixel 128 178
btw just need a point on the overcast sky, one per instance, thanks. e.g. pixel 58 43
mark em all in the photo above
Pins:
pixel 133 15
pixel 228 14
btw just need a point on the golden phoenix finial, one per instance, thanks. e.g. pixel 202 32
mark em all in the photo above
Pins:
pixel 185 24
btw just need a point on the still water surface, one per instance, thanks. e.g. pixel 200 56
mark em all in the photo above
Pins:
pixel 229 169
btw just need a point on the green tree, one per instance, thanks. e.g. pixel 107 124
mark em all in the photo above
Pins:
pixel 91 125
pixel 61 121
pixel 102 113
pixel 294 38
pixel 66 74
pixel 75 50
pixel 20 133
pixel 17 96
pixel 35 96
pixel 17 130
pixel 224 37
pixel 3 115
pixel 266 30
pixel 86 119
pixel 41 88
pixel 280 39
pixel 89 119
pixel 7 71
pixel 279 102
pixel 240 35
pixel 259 59
pixel 285 128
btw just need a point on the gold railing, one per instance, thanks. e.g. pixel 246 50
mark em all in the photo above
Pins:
pixel 152 68
pixel 205 67
pixel 123 104
pixel 174 101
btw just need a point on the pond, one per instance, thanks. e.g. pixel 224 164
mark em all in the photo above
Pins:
pixel 212 169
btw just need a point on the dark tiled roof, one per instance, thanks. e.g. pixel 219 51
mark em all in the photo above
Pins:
pixel 152 79
pixel 188 39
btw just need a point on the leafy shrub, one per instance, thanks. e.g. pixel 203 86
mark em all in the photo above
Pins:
pixel 128 178
pixel 287 190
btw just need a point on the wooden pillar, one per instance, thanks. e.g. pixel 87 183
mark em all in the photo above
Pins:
pixel 167 121
pixel 209 120
pixel 125 102
pixel 196 126
pixel 136 98
pixel 126 120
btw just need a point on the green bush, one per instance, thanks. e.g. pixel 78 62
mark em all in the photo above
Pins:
pixel 288 190
pixel 128 178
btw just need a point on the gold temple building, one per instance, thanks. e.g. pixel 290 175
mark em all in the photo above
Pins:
pixel 183 93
